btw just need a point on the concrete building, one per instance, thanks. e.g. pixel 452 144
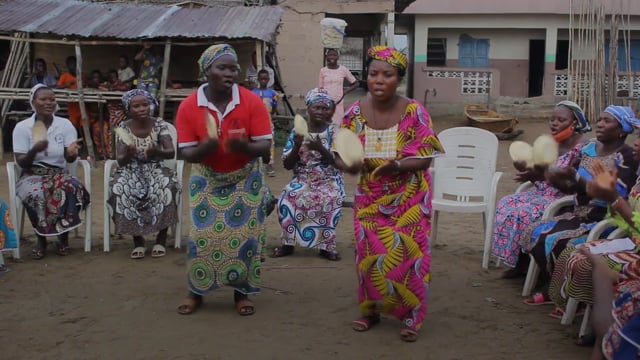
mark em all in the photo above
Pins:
pixel 299 51
pixel 475 51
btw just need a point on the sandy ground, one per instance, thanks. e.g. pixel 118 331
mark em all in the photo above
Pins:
pixel 105 306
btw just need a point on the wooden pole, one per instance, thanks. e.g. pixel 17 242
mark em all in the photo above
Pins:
pixel 165 77
pixel 259 55
pixel 83 110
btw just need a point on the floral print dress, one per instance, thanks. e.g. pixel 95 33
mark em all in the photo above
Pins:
pixel 311 203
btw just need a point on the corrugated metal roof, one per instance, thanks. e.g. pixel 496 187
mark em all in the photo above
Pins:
pixel 129 21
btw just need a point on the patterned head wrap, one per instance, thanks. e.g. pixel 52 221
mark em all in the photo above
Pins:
pixel 32 96
pixel 129 95
pixel 625 117
pixel 213 53
pixel 318 95
pixel 583 124
pixel 388 55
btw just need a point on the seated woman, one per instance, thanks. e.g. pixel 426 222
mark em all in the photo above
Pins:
pixel 550 237
pixel 143 191
pixel 311 203
pixel 53 198
pixel 516 211
pixel 573 271
pixel 616 309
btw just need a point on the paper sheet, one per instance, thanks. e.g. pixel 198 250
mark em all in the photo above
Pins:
pixel 612 246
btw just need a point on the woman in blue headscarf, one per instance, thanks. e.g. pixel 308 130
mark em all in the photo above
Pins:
pixel 143 190
pixel 517 211
pixel 311 203
pixel 547 239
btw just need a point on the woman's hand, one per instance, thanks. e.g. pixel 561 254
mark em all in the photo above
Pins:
pixel 131 151
pixel 237 145
pixel 562 178
pixel 298 140
pixel 532 174
pixel 388 168
pixel 603 185
pixel 153 152
pixel 315 144
pixel 74 148
pixel 40 146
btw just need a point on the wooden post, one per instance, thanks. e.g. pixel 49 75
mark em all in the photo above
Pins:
pixel 165 78
pixel 83 110
pixel 259 55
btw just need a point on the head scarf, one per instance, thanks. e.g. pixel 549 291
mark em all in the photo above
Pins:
pixel 625 117
pixel 583 125
pixel 129 95
pixel 32 96
pixel 213 53
pixel 318 95
pixel 388 55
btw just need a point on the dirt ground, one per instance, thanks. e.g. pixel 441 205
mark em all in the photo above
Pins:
pixel 105 306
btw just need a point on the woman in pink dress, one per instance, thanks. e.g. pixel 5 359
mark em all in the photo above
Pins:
pixel 332 79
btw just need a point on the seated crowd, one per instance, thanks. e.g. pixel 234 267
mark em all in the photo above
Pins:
pixel 602 175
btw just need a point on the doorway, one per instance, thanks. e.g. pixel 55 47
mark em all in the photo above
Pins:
pixel 536 67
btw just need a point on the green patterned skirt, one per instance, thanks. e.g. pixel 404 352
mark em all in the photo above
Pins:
pixel 227 233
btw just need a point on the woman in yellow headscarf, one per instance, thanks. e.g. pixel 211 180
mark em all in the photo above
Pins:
pixel 393 199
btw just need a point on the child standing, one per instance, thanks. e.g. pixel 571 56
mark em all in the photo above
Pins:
pixel 270 99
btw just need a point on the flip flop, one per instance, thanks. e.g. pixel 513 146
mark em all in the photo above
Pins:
pixel 537 299
pixel 158 250
pixel 138 253
pixel 245 307
pixel 558 313
pixel 364 323
pixel 407 333
pixel 4 269
pixel 189 305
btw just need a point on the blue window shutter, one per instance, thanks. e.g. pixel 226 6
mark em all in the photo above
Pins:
pixel 481 58
pixel 635 55
pixel 465 53
pixel 606 54
pixel 622 56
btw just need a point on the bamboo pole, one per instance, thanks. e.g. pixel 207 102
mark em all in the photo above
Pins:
pixel 83 110
pixel 165 77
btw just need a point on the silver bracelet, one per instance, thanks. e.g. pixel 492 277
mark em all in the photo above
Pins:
pixel 578 177
pixel 397 163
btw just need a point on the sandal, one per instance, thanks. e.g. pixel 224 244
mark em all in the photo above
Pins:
pixel 558 313
pixel 4 269
pixel 158 250
pixel 407 332
pixel 63 250
pixel 190 304
pixel 586 340
pixel 245 307
pixel 38 254
pixel 538 299
pixel 138 252
pixel 364 323
pixel 281 251
pixel 330 255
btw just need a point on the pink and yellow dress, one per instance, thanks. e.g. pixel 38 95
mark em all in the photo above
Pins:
pixel 392 219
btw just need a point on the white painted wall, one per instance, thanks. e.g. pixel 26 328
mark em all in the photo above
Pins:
pixel 505 44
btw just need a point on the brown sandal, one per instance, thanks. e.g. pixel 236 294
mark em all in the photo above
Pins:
pixel 364 323
pixel 407 332
pixel 245 307
pixel 189 305
pixel 281 251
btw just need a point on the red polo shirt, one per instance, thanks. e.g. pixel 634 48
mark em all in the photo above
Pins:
pixel 245 114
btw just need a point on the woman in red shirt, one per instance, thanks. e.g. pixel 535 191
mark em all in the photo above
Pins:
pixel 226 192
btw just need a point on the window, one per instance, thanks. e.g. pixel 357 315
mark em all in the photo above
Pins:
pixel 437 52
pixel 562 55
pixel 634 51
pixel 473 53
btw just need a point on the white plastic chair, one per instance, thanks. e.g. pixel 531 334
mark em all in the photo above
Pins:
pixel 17 208
pixel 550 211
pixel 465 178
pixel 572 304
pixel 176 165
